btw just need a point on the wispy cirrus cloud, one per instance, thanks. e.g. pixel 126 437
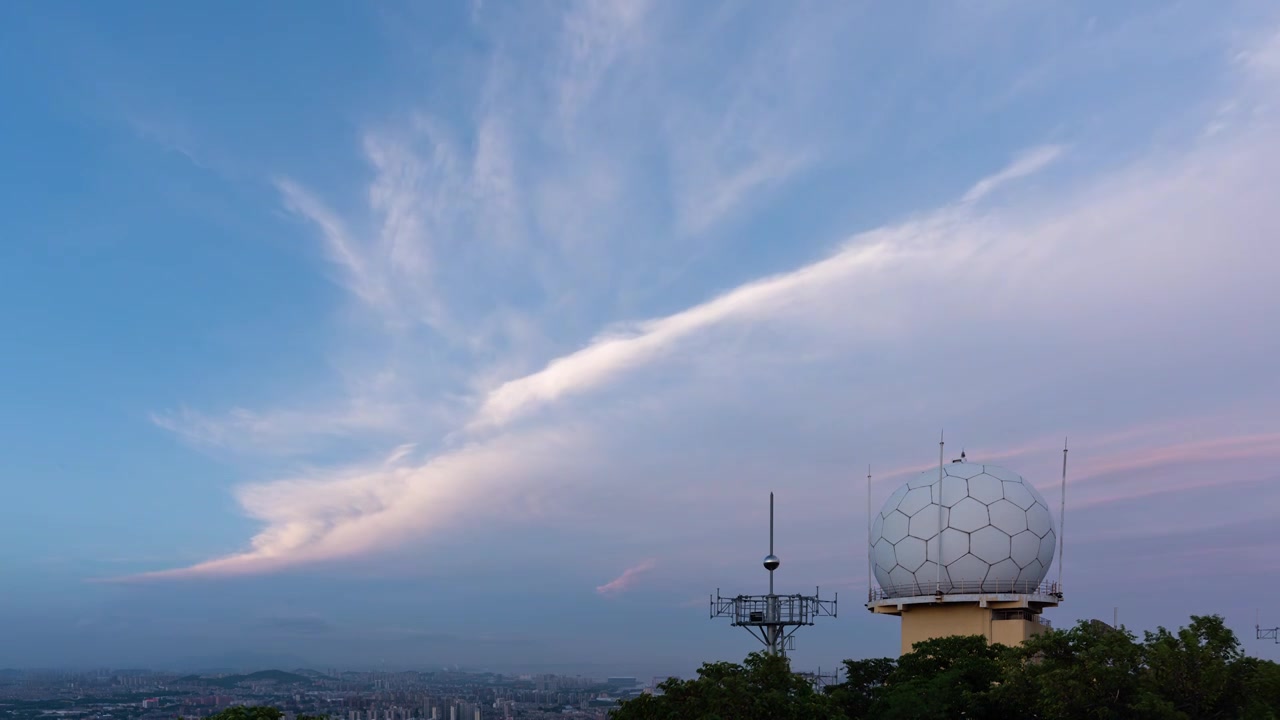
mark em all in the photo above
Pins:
pixel 343 250
pixel 627 580
pixel 279 431
pixel 593 37
pixel 1030 162
pixel 427 192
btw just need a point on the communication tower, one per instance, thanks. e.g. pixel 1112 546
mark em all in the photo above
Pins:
pixel 773 619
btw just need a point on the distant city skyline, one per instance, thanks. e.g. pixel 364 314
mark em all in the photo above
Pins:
pixel 144 695
pixel 405 334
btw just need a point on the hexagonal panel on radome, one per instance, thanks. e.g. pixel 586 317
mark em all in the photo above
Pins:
pixel 877 527
pixel 1047 546
pixel 910 552
pixel 955 545
pixel 914 501
pixel 1018 494
pixel 1002 577
pixel 901 577
pixel 924 479
pixel 882 576
pixel 925 523
pixel 968 515
pixel 1007 516
pixel 986 489
pixel 895 526
pixel 963 470
pixel 1024 548
pixel 1031 576
pixel 1038 520
pixel 989 544
pixel 968 572
pixel 931 548
pixel 928 578
pixel 1035 493
pixel 1002 473
pixel 882 551
pixel 895 498
pixel 954 490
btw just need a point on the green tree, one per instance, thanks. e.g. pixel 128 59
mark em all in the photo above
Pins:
pixel 762 688
pixel 1262 689
pixel 864 682
pixel 1198 670
pixel 944 678
pixel 1090 672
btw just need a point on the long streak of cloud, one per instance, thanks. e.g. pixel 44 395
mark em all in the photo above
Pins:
pixel 605 358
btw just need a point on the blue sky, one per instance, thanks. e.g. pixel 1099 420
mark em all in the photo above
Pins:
pixel 359 333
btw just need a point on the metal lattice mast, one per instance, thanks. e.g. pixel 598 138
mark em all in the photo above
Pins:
pixel 773 619
pixel 1266 633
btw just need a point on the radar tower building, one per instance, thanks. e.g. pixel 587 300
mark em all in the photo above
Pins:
pixel 965 550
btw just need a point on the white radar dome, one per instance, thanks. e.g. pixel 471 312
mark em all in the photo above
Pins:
pixel 995 529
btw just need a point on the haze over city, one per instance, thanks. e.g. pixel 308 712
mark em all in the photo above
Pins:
pixel 395 335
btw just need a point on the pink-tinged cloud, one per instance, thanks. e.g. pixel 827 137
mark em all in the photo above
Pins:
pixel 893 477
pixel 1260 447
pixel 1097 479
pixel 626 580
pixel 1239 447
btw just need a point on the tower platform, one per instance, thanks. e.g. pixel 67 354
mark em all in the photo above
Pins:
pixel 1005 618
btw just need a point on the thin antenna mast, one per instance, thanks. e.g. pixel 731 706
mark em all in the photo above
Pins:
pixel 771 541
pixel 1062 513
pixel 937 588
pixel 772 633
pixel 868 532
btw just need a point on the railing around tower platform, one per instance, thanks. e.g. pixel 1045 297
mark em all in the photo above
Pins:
pixel 890 592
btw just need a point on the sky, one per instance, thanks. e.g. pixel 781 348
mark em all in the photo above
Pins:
pixel 401 334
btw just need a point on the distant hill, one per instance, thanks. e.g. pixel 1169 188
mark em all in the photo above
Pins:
pixel 280 677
